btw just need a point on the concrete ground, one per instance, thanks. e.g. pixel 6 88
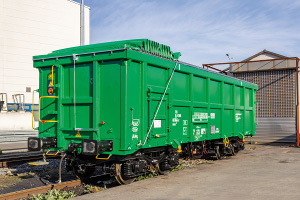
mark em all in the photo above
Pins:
pixel 13 147
pixel 15 140
pixel 267 172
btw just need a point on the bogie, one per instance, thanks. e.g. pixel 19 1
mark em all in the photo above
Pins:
pixel 160 160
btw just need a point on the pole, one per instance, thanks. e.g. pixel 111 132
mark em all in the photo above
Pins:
pixel 297 92
pixel 82 23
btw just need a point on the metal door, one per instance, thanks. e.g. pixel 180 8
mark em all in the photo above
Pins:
pixel 159 130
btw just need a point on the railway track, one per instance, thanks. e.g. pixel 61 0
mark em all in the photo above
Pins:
pixel 39 190
pixel 11 159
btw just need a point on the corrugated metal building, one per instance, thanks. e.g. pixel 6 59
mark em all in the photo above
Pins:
pixel 276 95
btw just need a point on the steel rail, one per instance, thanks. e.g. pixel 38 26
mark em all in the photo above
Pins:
pixel 39 190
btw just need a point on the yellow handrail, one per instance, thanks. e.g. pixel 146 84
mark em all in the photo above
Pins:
pixel 32 110
pixel 103 158
pixel 48 154
pixel 43 121
pixel 52 74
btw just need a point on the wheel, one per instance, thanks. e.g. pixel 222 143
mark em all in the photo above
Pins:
pixel 232 150
pixel 159 171
pixel 243 146
pixel 236 149
pixel 120 178
pixel 83 174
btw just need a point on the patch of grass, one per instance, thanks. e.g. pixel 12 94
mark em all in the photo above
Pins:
pixel 6 181
pixel 89 189
pixel 0 151
pixel 26 175
pixel 147 175
pixel 179 167
pixel 92 189
pixel 182 165
pixel 54 195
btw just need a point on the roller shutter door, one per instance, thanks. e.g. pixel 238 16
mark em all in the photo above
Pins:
pixel 276 99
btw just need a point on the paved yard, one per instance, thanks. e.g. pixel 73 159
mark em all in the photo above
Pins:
pixel 267 172
pixel 13 147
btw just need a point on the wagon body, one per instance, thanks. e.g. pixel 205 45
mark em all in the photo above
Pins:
pixel 113 91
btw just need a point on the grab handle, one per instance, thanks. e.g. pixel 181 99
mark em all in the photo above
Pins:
pixel 32 110
pixel 44 97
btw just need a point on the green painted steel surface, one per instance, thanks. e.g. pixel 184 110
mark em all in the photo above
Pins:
pixel 122 87
pixel 143 45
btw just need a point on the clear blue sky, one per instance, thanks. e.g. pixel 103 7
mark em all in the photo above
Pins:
pixel 203 31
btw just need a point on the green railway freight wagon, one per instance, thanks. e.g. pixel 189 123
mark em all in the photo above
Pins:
pixel 125 106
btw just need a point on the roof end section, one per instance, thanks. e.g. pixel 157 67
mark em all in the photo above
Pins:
pixel 144 45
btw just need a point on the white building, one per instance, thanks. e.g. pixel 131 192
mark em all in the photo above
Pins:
pixel 34 27
pixel 29 28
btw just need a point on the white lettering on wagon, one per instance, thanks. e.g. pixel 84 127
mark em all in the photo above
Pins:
pixel 185 122
pixel 184 130
pixel 238 116
pixel 176 119
pixel 199 117
pixel 135 123
pixel 135 136
pixel 134 129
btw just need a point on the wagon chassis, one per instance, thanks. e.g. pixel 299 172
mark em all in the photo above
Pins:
pixel 126 169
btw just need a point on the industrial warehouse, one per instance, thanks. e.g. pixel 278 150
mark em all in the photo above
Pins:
pixel 277 95
pixel 125 116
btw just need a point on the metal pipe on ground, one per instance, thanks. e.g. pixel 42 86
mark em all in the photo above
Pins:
pixel 60 163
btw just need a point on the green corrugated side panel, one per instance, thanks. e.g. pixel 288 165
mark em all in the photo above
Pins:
pixel 144 45
pixel 122 81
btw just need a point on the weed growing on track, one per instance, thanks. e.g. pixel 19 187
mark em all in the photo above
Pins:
pixel 92 189
pixel 54 195
pixel 179 167
pixel 68 194
pixel 182 165
pixel 89 189
pixel 0 151
pixel 147 175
